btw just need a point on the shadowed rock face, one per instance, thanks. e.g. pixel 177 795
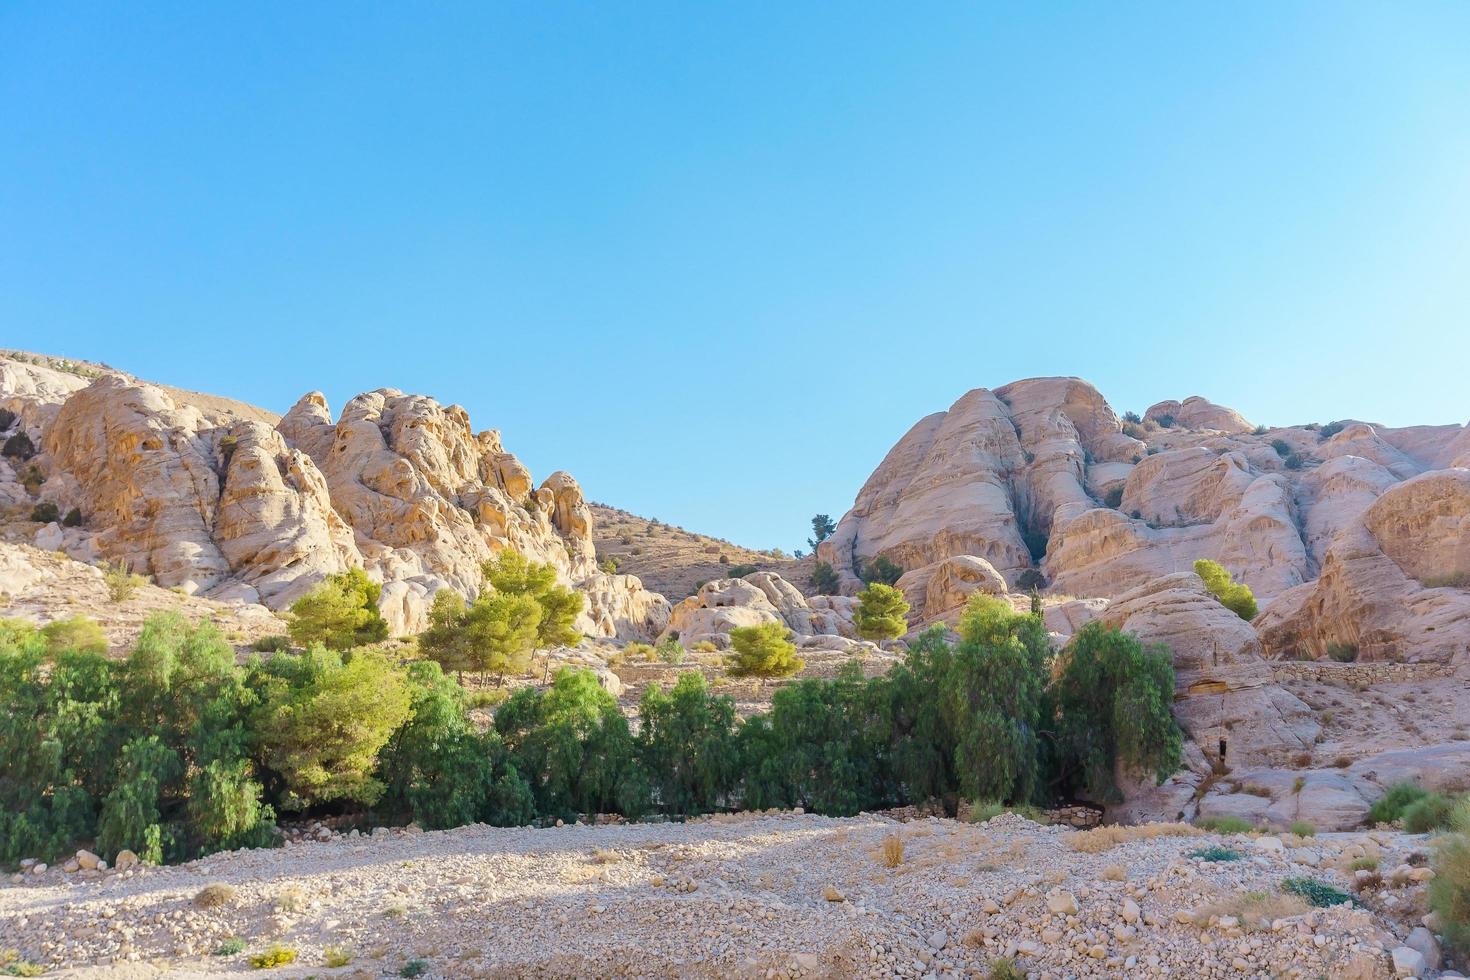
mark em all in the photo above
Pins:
pixel 1031 467
pixel 219 504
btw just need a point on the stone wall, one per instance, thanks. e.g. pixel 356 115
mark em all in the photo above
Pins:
pixel 1330 672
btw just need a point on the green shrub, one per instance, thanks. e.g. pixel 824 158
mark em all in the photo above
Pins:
pixel 1030 578
pixel 882 571
pixel 336 956
pixel 339 613
pixel 120 581
pixel 705 646
pixel 273 956
pixel 1302 828
pixel 1343 653
pixel 80 634
pixel 73 518
pixel 230 947
pixel 670 651
pixel 1282 447
pixel 1225 825
pixel 487 698
pixel 881 613
pixel 1215 853
pixel 687 744
pixel 740 571
pixel 18 447
pixel 1318 893
pixel 1235 596
pixel 45 513
pixel 1295 461
pixel 1449 892
pixel 7 419
pixel 824 579
pixel 608 565
pixel 414 968
pixel 764 651
pixel 1390 807
pixel 1329 430
pixel 1005 968
pixel 1431 812
pixel 271 644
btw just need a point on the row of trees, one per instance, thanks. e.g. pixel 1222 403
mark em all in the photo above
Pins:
pixel 177 751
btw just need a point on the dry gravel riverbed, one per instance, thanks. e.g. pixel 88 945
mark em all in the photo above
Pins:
pixel 746 896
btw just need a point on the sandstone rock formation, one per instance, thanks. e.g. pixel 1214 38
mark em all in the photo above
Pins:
pixel 215 501
pixel 764 597
pixel 1225 698
pixel 1040 475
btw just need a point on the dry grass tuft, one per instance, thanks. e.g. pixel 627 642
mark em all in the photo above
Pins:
pixel 291 899
pixel 1114 872
pixel 604 856
pixel 890 852
pixel 1106 837
pixel 215 895
pixel 1255 910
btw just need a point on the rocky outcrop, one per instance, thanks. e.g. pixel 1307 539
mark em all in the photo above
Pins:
pixel 944 587
pixel 1039 474
pixel 1196 412
pixel 619 606
pixel 762 597
pixel 220 503
pixel 1393 584
pixel 1225 697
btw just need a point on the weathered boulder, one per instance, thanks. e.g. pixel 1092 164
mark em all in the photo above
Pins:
pixel 942 588
pixel 1196 412
pixel 762 597
pixel 619 606
pixel 1225 698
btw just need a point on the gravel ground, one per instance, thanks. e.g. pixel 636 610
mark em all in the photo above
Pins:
pixel 745 896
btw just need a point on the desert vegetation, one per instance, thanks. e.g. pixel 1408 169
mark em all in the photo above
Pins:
pixel 203 754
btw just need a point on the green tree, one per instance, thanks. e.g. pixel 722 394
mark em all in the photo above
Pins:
pixel 822 528
pixel 321 722
pixel 824 579
pixel 500 630
pixel 1235 596
pixel 340 612
pixel 763 651
pixel 992 697
pixel 511 573
pixel 446 641
pixel 573 745
pixel 882 570
pixel 131 816
pixel 686 740
pixel 881 613
pixel 1113 702
pixel 438 771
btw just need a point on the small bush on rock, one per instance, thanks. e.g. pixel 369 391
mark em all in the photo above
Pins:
pixel 1235 596
pixel 881 613
pixel 1390 807
pixel 1318 893
pixel 1225 825
pixel 824 579
pixel 45 513
pixel 763 651
pixel 1431 812
pixel 1449 892
pixel 882 571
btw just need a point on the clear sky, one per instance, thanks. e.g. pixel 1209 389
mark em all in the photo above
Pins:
pixel 714 259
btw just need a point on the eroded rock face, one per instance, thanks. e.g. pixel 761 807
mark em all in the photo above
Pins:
pixel 1225 698
pixel 761 597
pixel 1032 466
pixel 217 503
pixel 945 586
pixel 1196 412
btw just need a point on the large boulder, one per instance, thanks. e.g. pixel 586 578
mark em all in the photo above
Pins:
pixel 762 597
pixel 1393 581
pixel 1197 412
pixel 1225 698
pixel 619 606
pixel 941 589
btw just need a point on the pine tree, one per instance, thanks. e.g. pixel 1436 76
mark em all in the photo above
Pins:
pixel 763 651
pixel 881 613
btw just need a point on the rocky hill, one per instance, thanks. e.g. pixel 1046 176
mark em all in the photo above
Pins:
pixel 676 562
pixel 220 500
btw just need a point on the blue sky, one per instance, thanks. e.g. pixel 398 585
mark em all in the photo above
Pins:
pixel 714 259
